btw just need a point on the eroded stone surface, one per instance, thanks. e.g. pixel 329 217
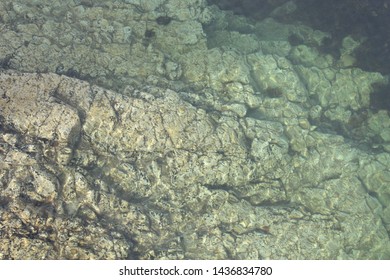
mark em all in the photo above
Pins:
pixel 222 152
pixel 148 175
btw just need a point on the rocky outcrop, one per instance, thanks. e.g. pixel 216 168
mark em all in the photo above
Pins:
pixel 89 173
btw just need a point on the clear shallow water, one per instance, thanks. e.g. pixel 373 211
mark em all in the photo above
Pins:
pixel 181 131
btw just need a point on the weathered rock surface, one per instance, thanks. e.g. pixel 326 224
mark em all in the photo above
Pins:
pixel 89 173
pixel 231 147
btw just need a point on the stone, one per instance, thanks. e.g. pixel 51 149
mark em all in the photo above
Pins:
pixel 175 130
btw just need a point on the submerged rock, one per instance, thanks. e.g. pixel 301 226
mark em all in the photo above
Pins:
pixel 89 173
pixel 175 130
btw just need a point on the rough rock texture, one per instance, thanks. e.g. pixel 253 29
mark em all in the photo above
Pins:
pixel 88 173
pixel 110 42
pixel 210 136
pixel 227 61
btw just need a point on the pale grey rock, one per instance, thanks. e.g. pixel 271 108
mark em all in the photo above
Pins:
pixel 343 96
pixel 272 72
pixel 103 40
pixel 237 109
pixel 220 153
pixel 306 56
pixel 152 176
pixel 375 176
pixel 315 112
pixel 269 108
pixel 245 43
pixel 35 191
pixel 379 125
pixel 297 138
pixel 346 88
pixel 53 122
pixel 116 43
pixel 337 190
pixel 339 114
